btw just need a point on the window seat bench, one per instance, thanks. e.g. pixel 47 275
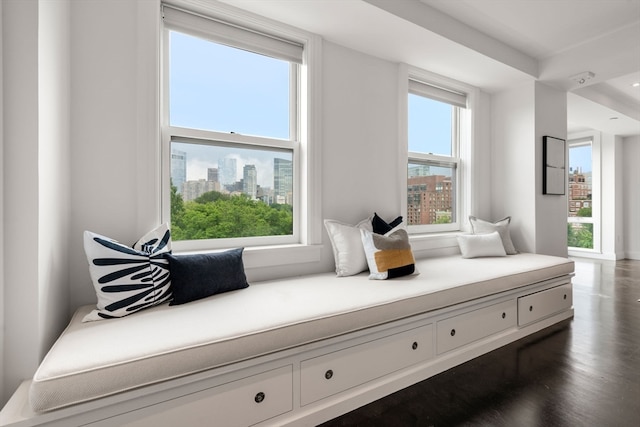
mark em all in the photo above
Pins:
pixel 292 351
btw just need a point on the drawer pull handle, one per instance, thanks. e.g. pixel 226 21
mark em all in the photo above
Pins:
pixel 565 296
pixel 504 315
pixel 453 332
pixel 530 308
pixel 259 397
pixel 414 345
pixel 328 374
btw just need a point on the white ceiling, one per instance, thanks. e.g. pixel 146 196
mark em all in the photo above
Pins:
pixel 495 44
pixel 563 35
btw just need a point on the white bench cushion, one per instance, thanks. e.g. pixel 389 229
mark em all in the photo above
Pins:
pixel 96 359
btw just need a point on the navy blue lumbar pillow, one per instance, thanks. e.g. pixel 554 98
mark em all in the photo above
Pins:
pixel 198 276
pixel 380 226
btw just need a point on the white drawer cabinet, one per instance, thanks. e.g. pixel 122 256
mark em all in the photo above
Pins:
pixel 542 304
pixel 338 371
pixel 239 403
pixel 466 328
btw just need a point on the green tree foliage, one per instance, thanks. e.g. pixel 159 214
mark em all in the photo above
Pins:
pixel 584 212
pixel 580 235
pixel 215 215
pixel 177 205
pixel 444 219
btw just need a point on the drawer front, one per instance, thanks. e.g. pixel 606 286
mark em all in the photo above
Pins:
pixel 240 403
pixel 542 304
pixel 335 372
pixel 474 325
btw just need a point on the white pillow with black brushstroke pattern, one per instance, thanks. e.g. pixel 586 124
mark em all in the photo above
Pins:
pixel 128 279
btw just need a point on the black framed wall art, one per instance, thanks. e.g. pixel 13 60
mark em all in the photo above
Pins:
pixel 554 172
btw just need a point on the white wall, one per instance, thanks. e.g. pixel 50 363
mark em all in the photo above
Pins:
pixel 551 210
pixel 36 193
pixel 360 134
pixel 2 398
pixel 53 169
pixel 20 74
pixel 483 160
pixel 612 223
pixel 631 196
pixel 105 182
pixel 513 163
pixel 520 118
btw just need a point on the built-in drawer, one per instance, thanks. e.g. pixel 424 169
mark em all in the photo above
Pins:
pixel 239 403
pixel 338 371
pixel 534 307
pixel 466 328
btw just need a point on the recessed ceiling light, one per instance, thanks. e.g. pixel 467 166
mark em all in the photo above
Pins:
pixel 636 84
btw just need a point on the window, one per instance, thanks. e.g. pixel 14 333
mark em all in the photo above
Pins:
pixel 235 104
pixel 583 220
pixel 433 174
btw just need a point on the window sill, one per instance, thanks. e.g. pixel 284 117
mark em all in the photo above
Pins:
pixel 434 244
pixel 276 255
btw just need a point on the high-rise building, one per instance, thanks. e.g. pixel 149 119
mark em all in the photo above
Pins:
pixel 212 175
pixel 178 169
pixel 227 168
pixel 580 193
pixel 429 199
pixel 418 170
pixel 191 190
pixel 250 181
pixel 283 181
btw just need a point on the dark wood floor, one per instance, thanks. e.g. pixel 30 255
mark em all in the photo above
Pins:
pixel 584 373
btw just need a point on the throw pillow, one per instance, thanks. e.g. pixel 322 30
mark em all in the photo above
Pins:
pixel 198 276
pixel 480 226
pixel 481 245
pixel 380 226
pixel 128 279
pixel 347 248
pixel 388 255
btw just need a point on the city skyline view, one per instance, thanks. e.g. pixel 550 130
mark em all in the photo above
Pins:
pixel 200 158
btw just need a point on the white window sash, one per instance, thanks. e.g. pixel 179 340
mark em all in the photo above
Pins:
pixel 456 99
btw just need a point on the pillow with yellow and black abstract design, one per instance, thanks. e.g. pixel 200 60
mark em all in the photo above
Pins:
pixel 388 255
pixel 128 279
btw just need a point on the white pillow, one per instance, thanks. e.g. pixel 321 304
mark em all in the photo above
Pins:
pixel 480 226
pixel 481 245
pixel 346 242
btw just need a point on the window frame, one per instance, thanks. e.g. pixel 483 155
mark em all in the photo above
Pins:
pixel 435 160
pixel 592 139
pixel 304 132
pixel 460 159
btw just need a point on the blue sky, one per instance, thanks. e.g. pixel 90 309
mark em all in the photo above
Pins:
pixel 580 156
pixel 216 87
pixel 429 126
